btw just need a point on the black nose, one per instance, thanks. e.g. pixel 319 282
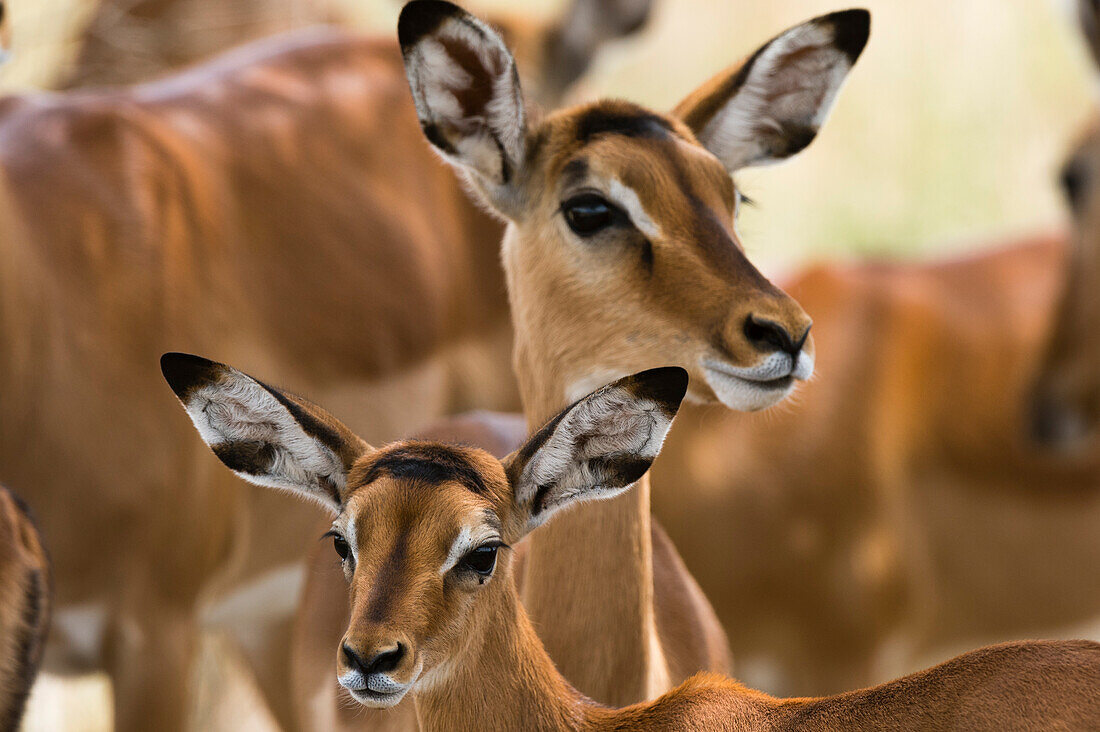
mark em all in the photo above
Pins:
pixel 381 662
pixel 767 335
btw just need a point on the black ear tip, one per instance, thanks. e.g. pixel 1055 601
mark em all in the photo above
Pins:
pixel 666 385
pixel 185 372
pixel 421 17
pixel 852 28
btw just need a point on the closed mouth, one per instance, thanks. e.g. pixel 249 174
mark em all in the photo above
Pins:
pixel 376 698
pixel 768 384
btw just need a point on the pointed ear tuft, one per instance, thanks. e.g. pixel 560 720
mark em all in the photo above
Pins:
pixel 466 90
pixel 419 19
pixel 851 30
pixel 185 372
pixel 772 106
pixel 264 435
pixel 598 446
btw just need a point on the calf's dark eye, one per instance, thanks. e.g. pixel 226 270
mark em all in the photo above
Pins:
pixel 481 560
pixel 341 546
pixel 589 214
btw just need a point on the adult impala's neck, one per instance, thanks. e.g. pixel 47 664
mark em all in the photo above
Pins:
pixel 588 579
pixel 503 679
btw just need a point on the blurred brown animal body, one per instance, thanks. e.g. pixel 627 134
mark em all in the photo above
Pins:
pixel 130 41
pixel 24 606
pixel 267 204
pixel 424 533
pixel 620 253
pixel 898 506
pixel 1065 397
pixel 277 205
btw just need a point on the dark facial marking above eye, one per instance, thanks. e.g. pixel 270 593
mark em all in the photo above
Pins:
pixel 430 463
pixel 633 123
pixel 574 173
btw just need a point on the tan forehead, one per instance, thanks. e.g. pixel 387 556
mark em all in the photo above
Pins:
pixel 653 154
pixel 416 482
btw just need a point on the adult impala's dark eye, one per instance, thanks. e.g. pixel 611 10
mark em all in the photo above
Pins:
pixel 341 546
pixel 589 214
pixel 481 560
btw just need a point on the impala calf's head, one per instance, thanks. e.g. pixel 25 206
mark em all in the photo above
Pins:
pixel 423 529
pixel 1066 395
pixel 621 248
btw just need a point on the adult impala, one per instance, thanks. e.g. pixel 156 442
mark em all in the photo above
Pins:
pixel 620 253
pixel 206 210
pixel 425 532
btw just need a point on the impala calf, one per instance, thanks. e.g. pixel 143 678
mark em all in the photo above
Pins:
pixel 425 531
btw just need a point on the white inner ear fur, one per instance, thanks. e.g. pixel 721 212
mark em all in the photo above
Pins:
pixel 611 422
pixel 238 409
pixel 438 77
pixel 778 89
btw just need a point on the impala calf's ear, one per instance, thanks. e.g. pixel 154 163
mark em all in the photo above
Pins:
pixel 466 89
pixel 772 106
pixel 597 447
pixel 263 435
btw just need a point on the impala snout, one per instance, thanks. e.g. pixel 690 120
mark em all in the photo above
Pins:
pixel 765 352
pixel 377 674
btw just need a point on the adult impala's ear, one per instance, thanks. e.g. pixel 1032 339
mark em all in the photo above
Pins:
pixel 467 94
pixel 263 435
pixel 771 106
pixel 597 447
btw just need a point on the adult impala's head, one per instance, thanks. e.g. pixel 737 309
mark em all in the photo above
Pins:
pixel 621 249
pixel 1066 398
pixel 422 528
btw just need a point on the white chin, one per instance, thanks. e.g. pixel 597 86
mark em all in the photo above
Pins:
pixel 369 698
pixel 744 395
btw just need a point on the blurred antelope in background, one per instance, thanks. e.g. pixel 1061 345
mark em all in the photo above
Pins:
pixel 128 41
pixel 1066 397
pixel 900 509
pixel 425 533
pixel 279 205
pixel 24 606
pixel 620 253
